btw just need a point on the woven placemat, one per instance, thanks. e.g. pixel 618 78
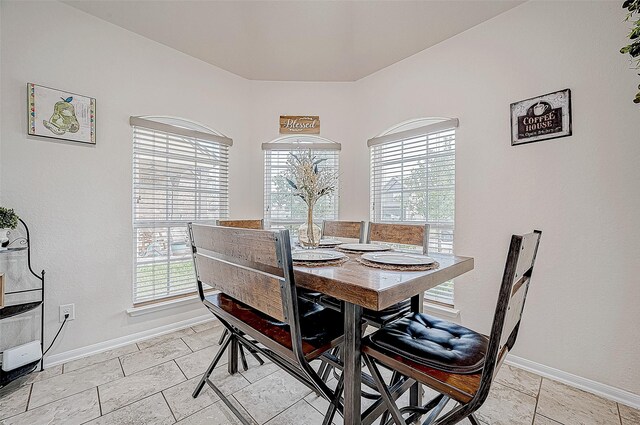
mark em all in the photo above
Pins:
pixel 412 268
pixel 332 263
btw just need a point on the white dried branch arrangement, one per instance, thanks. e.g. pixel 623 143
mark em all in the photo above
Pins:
pixel 308 181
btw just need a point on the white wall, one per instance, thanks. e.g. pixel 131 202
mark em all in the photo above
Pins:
pixel 582 314
pixel 77 198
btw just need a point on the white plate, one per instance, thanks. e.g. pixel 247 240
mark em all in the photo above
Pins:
pixel 369 247
pixel 399 259
pixel 329 242
pixel 315 255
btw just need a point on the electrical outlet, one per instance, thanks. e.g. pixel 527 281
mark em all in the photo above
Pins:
pixel 69 309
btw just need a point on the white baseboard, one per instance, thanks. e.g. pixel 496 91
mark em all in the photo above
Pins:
pixel 603 390
pixel 89 350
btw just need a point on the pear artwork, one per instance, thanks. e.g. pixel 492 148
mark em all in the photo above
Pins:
pixel 63 119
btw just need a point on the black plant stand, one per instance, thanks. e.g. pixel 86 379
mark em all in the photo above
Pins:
pixel 21 244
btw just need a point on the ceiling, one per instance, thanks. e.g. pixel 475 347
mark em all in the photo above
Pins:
pixel 300 40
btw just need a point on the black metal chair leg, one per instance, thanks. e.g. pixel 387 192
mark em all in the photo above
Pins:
pixel 257 357
pixel 230 405
pixel 212 366
pixel 326 368
pixel 473 419
pixel 384 391
pixel 333 406
pixel 394 378
pixel 223 336
pixel 243 359
pixel 433 415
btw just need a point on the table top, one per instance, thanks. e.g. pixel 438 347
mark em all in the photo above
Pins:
pixel 376 288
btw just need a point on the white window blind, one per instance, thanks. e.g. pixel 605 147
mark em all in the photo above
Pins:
pixel 177 178
pixel 413 180
pixel 281 208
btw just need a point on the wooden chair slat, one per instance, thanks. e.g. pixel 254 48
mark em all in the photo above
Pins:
pixel 254 246
pixel 244 224
pixel 343 229
pixel 527 254
pixel 514 312
pixel 255 288
pixel 520 262
pixel 406 234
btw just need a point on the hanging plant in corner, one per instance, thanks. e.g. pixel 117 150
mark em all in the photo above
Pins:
pixel 633 49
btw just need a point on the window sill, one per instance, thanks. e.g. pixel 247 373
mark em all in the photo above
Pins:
pixel 165 305
pixel 441 310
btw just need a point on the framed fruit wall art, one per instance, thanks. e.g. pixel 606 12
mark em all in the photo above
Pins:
pixel 61 115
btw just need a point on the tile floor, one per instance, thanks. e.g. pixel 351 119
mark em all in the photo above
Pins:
pixel 151 383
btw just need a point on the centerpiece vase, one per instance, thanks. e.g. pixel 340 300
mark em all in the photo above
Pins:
pixel 309 234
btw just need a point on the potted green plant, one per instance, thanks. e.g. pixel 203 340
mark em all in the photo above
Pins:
pixel 8 221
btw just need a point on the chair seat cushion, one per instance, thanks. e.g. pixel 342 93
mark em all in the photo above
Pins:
pixel 388 315
pixel 309 295
pixel 321 328
pixel 433 342
pixel 379 318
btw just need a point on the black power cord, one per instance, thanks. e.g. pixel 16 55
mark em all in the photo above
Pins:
pixel 66 316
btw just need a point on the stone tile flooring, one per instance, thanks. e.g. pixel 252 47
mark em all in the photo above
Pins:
pixel 151 383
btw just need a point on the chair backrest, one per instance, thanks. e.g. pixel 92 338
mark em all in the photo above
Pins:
pixel 405 234
pixel 511 299
pixel 245 264
pixel 344 229
pixel 244 224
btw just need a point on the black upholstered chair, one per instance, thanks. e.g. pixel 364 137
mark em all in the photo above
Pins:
pixel 455 361
pixel 259 306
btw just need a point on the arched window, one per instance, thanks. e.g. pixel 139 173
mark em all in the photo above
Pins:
pixel 281 208
pixel 180 174
pixel 413 179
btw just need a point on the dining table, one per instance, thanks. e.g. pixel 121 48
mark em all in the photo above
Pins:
pixel 360 286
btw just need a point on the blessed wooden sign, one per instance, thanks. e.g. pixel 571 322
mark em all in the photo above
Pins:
pixel 294 124
pixel 541 118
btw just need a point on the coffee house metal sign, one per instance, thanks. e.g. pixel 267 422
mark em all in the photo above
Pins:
pixel 541 118
pixel 299 124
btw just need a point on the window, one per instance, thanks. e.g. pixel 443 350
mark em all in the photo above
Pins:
pixel 281 208
pixel 413 180
pixel 180 174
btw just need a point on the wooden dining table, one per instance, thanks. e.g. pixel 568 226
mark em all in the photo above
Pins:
pixel 360 286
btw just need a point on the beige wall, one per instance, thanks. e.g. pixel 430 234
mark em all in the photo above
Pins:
pixel 581 191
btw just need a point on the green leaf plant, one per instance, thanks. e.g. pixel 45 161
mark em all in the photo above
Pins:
pixel 8 218
pixel 633 49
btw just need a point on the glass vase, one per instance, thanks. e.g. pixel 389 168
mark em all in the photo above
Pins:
pixel 309 234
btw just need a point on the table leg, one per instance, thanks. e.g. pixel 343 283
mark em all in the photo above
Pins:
pixel 415 394
pixel 352 363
